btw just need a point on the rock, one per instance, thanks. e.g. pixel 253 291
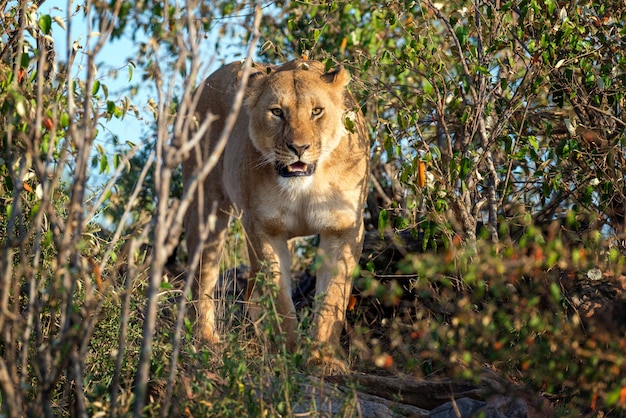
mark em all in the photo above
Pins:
pixel 458 408
pixel 499 406
pixel 489 396
pixel 423 393
pixel 321 398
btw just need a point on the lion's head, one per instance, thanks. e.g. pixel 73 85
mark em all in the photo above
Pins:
pixel 296 116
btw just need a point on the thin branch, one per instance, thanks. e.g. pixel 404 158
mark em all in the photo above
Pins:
pixel 229 123
pixel 125 317
pixel 459 49
pixel 129 205
pixel 9 397
pixel 606 113
pixel 163 231
pixel 109 185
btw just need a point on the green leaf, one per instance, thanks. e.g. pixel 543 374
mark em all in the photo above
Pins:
pixel 34 210
pixel 462 33
pixel 48 238
pixel 45 24
pixel 104 164
pixel 401 223
pixel 555 291
pixel 441 205
pixel 464 167
pixel 316 34
pixel 383 220
pixel 95 87
pixel 64 120
pixel 110 107
pixel 349 124
pixel 45 144
pixel 25 60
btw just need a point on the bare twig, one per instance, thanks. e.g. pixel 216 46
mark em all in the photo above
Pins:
pixel 125 316
pixel 163 231
pixel 129 206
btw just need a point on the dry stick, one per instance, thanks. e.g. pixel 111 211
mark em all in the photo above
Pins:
pixel 7 383
pixel 190 144
pixel 94 306
pixel 143 368
pixel 84 139
pixel 9 375
pixel 31 309
pixel 475 98
pixel 9 397
pixel 607 113
pixel 77 373
pixel 230 121
pixel 49 180
pixel 162 182
pixel 492 183
pixel 67 246
pixel 125 316
pixel 8 253
pixel 182 313
pixel 87 132
pixel 379 188
pixel 17 35
pixel 194 51
pixel 114 240
pixel 108 186
pixel 37 228
pixel 184 125
pixel 509 170
pixel 74 210
pixel 129 205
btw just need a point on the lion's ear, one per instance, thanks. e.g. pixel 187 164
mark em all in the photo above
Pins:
pixel 256 72
pixel 255 81
pixel 340 77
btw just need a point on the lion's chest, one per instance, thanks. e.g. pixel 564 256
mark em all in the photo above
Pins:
pixel 302 214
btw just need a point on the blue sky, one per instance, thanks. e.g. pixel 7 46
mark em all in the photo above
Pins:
pixel 112 64
pixel 114 56
pixel 112 69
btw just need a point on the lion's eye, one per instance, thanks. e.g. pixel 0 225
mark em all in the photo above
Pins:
pixel 277 112
pixel 317 111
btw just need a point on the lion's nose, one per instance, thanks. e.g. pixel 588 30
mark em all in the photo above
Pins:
pixel 298 149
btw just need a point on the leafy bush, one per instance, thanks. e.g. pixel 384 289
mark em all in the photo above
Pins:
pixel 511 109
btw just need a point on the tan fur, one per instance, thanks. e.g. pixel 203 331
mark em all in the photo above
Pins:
pixel 294 113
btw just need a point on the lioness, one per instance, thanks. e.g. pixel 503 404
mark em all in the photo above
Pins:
pixel 296 164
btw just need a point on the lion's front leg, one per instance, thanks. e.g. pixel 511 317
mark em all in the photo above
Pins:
pixel 203 289
pixel 340 253
pixel 207 269
pixel 270 256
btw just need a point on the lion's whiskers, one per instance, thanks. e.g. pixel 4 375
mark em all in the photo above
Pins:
pixel 265 160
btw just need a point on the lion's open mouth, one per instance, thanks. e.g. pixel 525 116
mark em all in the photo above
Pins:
pixel 298 169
